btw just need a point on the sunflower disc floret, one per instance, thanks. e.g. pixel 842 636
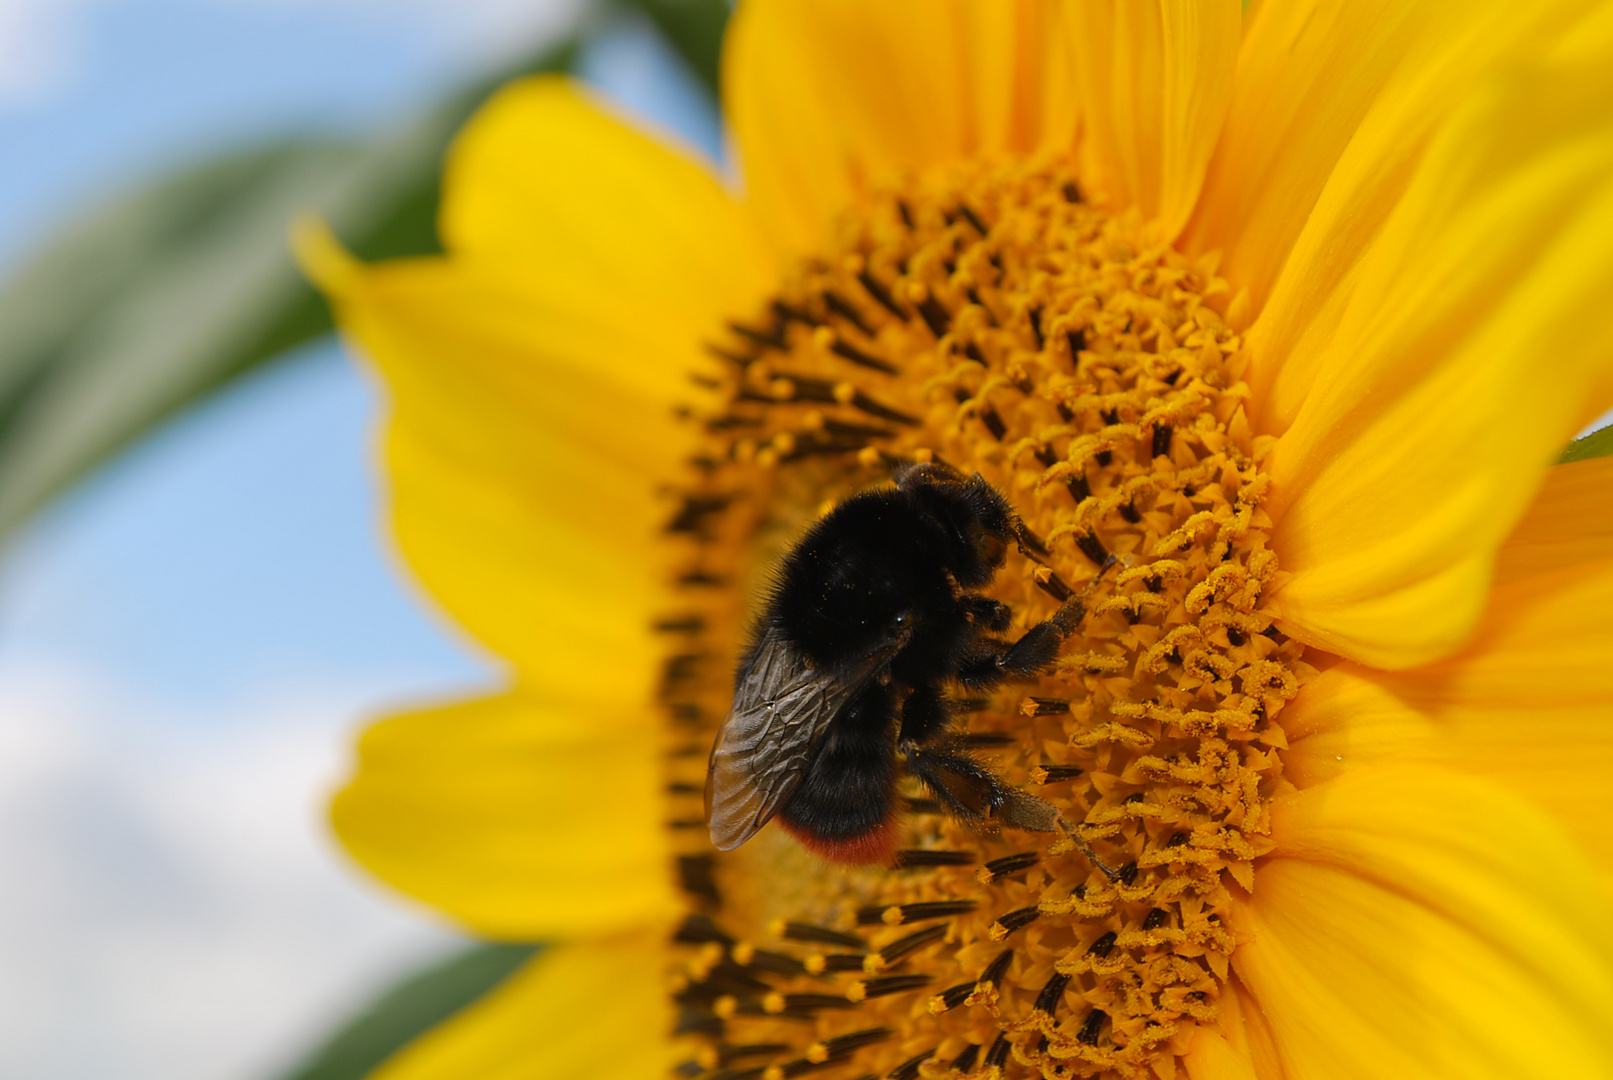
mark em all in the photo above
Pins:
pixel 990 318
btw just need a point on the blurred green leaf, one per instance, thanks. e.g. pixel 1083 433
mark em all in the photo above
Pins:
pixel 411 1008
pixel 694 29
pixel 1596 444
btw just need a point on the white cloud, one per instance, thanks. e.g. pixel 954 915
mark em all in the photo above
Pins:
pixel 172 905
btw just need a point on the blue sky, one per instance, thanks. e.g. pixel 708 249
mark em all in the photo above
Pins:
pixel 188 642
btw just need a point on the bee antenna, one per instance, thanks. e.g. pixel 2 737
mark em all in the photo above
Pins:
pixel 1030 545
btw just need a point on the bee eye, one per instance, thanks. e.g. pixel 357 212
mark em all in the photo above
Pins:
pixel 989 547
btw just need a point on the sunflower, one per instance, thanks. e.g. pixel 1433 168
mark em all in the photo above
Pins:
pixel 1270 327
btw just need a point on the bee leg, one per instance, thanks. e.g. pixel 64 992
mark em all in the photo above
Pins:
pixel 996 661
pixel 925 714
pixel 971 791
pixel 965 788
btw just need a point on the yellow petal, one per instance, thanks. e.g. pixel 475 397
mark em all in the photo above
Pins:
pixel 1212 1057
pixel 1569 525
pixel 580 1011
pixel 543 173
pixel 1155 79
pixel 1238 1047
pixel 1472 345
pixel 520 818
pixel 1344 97
pixel 1528 703
pixel 1414 923
pixel 830 98
pixel 524 455
pixel 533 375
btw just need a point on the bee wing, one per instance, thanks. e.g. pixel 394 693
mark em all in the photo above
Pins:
pixel 781 706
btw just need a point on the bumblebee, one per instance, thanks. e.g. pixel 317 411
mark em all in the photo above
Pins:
pixel 873 617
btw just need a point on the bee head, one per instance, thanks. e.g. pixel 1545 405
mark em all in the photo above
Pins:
pixel 977 524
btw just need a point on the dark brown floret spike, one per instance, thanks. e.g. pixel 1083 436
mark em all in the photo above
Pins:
pixel 844 962
pixel 787 313
pixel 1053 585
pixel 1053 774
pixel 886 985
pixel 768 339
pixel 995 970
pixel 699 929
pixel 1092 548
pixel 695 876
pixel 776 963
pixel 861 359
pixel 1008 864
pixel 693 1020
pixel 807 1003
pixel 897 915
pixel 728 1054
pixel 739 1074
pixel 952 997
pixel 1102 947
pixel 936 317
pixel 965 1062
pixel 914 858
pixel 881 295
pixel 1162 440
pixel 972 218
pixel 838 1047
pixel 864 403
pixel 1014 920
pixel 843 307
pixel 1078 487
pixel 997 1056
pixel 1045 706
pixel 983 740
pixel 820 935
pixel 904 945
pixel 1091 1027
pixel 1052 993
pixel 909 1069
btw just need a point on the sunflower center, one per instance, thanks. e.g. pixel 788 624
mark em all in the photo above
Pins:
pixel 991 319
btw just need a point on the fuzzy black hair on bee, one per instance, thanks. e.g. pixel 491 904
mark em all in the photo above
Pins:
pixel 872 619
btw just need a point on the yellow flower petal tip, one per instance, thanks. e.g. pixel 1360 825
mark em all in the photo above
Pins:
pixel 322 257
pixel 1285 516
